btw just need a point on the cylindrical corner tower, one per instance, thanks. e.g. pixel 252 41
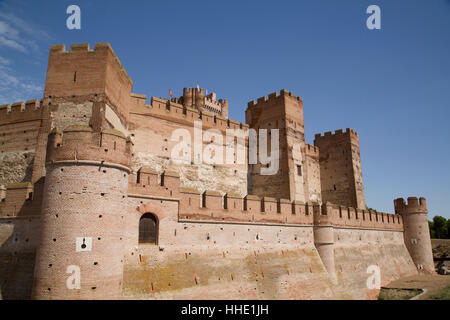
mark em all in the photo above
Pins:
pixel 80 255
pixel 416 232
pixel 324 237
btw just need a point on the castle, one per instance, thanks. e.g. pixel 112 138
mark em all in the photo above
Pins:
pixel 93 207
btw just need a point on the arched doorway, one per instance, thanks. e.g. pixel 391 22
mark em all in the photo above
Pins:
pixel 148 229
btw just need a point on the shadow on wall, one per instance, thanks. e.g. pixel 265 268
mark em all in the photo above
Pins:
pixel 19 237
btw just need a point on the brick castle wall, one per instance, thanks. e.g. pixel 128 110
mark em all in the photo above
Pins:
pixel 301 233
pixel 340 168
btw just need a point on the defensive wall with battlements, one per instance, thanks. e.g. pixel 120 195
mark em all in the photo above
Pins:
pixel 88 180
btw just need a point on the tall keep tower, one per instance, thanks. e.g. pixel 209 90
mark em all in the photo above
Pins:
pixel 340 168
pixel 87 87
pixel 81 245
pixel 283 111
pixel 416 231
pixel 196 98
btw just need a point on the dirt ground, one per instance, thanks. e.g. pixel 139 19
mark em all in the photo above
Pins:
pixel 441 248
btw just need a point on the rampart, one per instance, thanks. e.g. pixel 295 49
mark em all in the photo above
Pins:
pixel 17 112
pixel 166 109
pixel 88 180
pixel 213 206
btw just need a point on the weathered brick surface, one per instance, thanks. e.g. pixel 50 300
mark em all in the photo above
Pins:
pixel 19 238
pixel 340 168
pixel 92 158
pixel 416 231
pixel 20 126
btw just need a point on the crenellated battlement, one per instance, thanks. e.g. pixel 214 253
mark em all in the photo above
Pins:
pixel 209 206
pixel 150 182
pixel 196 98
pixel 414 205
pixel 215 206
pixel 217 106
pixel 348 217
pixel 84 47
pixel 20 199
pixel 82 144
pixel 192 90
pixel 311 149
pixel 273 96
pixel 22 111
pixel 21 106
pixel 337 133
pixel 164 108
pixel 82 74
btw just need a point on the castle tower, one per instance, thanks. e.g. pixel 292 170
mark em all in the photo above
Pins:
pixel 284 112
pixel 340 168
pixel 199 97
pixel 87 87
pixel 416 232
pixel 187 97
pixel 82 218
pixel 196 98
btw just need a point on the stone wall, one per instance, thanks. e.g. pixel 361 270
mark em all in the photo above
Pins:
pixel 151 129
pixel 19 130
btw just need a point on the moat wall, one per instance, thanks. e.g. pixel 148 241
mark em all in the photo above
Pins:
pixel 237 266
pixel 238 260
pixel 258 270
pixel 267 251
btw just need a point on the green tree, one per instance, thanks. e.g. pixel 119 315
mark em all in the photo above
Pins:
pixel 432 231
pixel 448 229
pixel 440 227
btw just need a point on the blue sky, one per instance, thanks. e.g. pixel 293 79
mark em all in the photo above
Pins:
pixel 391 85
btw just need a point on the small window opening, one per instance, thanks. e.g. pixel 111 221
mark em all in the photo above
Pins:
pixel 148 229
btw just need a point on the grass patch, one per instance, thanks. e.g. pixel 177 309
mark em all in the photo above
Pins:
pixel 443 294
pixel 398 294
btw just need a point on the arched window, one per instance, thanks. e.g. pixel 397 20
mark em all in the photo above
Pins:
pixel 148 229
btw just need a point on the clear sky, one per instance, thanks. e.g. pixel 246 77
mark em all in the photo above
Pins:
pixel 391 85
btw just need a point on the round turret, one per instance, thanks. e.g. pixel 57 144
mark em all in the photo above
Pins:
pixel 80 255
pixel 416 232
pixel 324 237
pixel 199 97
pixel 187 97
